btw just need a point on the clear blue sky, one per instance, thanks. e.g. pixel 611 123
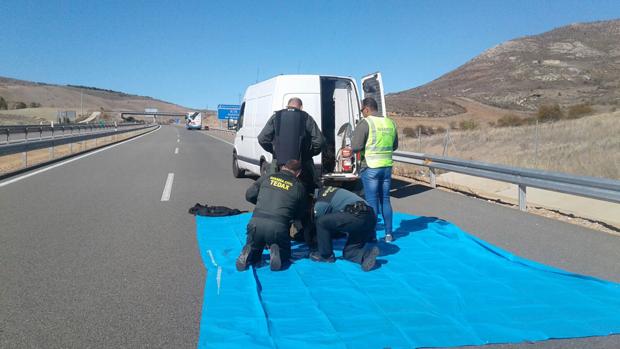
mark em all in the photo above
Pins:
pixel 199 53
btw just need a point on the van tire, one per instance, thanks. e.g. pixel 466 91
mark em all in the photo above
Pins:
pixel 237 172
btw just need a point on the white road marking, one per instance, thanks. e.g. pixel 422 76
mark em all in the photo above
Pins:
pixel 212 258
pixel 165 196
pixel 219 139
pixel 218 278
pixel 178 140
pixel 176 150
pixel 69 161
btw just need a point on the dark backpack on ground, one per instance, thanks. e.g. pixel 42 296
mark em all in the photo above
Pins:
pixel 213 211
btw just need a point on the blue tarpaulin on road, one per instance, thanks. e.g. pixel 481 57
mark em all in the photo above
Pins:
pixel 436 286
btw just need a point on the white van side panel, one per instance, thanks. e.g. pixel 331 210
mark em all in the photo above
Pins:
pixel 267 97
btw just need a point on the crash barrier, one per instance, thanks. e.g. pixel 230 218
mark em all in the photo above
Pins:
pixel 25 145
pixel 592 187
pixel 225 130
pixel 40 132
pixel 435 286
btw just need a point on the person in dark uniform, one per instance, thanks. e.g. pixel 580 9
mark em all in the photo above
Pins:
pixel 279 198
pixel 292 133
pixel 340 211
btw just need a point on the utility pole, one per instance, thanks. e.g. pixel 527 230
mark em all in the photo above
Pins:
pixel 81 104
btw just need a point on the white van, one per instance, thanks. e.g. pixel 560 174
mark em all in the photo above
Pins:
pixel 332 101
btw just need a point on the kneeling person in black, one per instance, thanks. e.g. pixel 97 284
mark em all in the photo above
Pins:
pixel 336 211
pixel 279 198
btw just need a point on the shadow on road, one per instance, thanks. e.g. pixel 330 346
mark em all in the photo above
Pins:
pixel 401 189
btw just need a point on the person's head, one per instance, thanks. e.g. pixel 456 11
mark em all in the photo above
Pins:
pixel 295 103
pixel 293 166
pixel 369 106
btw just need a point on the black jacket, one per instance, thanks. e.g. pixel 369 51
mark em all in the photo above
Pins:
pixel 299 136
pixel 280 196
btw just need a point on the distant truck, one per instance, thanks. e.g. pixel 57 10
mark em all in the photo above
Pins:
pixel 332 101
pixel 193 121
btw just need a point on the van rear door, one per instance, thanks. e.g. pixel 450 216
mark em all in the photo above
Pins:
pixel 372 86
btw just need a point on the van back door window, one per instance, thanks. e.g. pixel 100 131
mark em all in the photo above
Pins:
pixel 372 86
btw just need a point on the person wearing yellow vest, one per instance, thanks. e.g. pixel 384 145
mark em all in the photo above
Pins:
pixel 375 138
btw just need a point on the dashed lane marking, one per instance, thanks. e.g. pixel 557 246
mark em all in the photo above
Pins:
pixel 165 196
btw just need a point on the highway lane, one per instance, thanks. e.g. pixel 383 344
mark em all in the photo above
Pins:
pixel 91 256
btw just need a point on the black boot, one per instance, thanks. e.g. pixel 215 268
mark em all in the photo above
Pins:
pixel 274 257
pixel 246 258
pixel 370 258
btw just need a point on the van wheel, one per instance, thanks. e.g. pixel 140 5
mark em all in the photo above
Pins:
pixel 264 168
pixel 237 172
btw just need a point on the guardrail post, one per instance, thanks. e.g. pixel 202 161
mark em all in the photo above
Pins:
pixel 522 197
pixel 433 178
pixel 52 148
pixel 25 159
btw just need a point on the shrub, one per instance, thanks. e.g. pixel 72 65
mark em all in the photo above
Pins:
pixel 510 120
pixel 410 132
pixel 3 104
pixel 34 105
pixel 468 125
pixel 20 105
pixel 579 110
pixel 453 124
pixel 549 113
pixel 440 130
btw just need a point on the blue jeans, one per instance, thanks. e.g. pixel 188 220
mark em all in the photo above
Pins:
pixel 377 183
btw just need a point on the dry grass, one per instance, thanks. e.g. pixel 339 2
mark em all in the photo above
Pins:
pixel 589 146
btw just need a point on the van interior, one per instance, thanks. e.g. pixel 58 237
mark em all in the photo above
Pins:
pixel 339 108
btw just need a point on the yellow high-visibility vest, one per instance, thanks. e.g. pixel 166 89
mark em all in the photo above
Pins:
pixel 380 142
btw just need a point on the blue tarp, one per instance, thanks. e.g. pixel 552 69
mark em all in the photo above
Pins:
pixel 436 286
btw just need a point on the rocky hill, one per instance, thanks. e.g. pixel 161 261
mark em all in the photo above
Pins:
pixel 68 97
pixel 575 64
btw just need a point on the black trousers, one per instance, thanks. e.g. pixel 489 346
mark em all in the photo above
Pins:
pixel 360 229
pixel 263 232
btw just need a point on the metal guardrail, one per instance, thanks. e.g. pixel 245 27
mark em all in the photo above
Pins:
pixel 222 130
pixel 592 187
pixel 57 131
pixel 24 146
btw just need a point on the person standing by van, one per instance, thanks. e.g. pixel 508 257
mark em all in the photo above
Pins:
pixel 376 138
pixel 292 133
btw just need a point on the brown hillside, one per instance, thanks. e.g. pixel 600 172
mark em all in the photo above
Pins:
pixel 68 97
pixel 578 63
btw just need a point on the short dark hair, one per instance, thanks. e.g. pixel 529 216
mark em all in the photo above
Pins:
pixel 370 103
pixel 293 165
pixel 295 102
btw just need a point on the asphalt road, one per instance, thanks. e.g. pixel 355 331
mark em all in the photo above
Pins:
pixel 90 255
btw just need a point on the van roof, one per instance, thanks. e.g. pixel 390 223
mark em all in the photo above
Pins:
pixel 270 84
pixel 294 76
